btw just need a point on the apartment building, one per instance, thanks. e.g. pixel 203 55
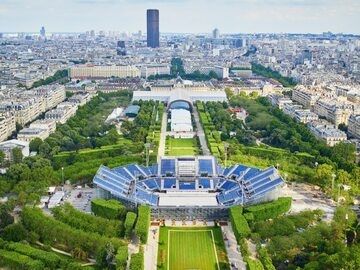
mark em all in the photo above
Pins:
pixel 354 126
pixel 333 110
pixel 81 72
pixel 222 72
pixel 28 134
pixel 147 71
pixel 299 114
pixel 279 100
pixel 62 113
pixel 27 105
pixel 80 98
pixel 305 97
pixel 52 95
pixel 324 130
pixel 7 125
pixel 47 124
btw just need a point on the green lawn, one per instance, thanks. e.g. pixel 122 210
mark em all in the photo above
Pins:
pixel 192 248
pixel 181 147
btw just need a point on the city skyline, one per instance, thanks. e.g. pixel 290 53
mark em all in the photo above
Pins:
pixel 229 16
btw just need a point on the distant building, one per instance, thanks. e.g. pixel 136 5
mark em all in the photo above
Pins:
pixel 153 35
pixel 121 44
pixel 216 33
pixel 7 125
pixel 354 126
pixel 7 148
pixel 42 31
pixel 149 70
pixel 28 134
pixel 82 72
pixel 132 111
pixel 325 131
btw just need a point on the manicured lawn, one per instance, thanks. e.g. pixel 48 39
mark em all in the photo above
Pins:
pixel 192 248
pixel 181 147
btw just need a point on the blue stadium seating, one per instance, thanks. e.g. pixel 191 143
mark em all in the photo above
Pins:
pixel 123 172
pixel 204 183
pixel 146 170
pixel 206 166
pixel 239 169
pixel 154 169
pixel 219 170
pixel 227 185
pixel 187 186
pixel 250 173
pixel 255 183
pixel 167 166
pixel 228 170
pixel 169 182
pixel 134 170
pixel 151 184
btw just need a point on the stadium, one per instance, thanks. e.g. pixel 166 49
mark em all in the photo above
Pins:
pixel 188 187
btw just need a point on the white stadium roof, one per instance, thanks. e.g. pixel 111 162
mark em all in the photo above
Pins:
pixel 187 199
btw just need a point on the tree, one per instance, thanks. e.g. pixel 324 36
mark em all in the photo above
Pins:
pixel 343 127
pixel 2 156
pixel 15 232
pixel 323 174
pixel 35 144
pixel 345 151
pixel 44 149
pixel 5 217
pixel 17 155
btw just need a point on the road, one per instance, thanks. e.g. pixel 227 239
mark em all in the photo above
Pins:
pixel 201 134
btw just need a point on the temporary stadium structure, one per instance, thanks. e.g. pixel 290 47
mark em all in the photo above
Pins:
pixel 188 187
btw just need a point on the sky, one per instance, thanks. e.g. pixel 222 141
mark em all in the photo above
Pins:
pixel 182 16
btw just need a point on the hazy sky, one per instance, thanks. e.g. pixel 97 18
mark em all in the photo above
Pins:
pixel 185 16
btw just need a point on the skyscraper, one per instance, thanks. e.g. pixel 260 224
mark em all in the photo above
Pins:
pixel 152 28
pixel 216 33
pixel 42 31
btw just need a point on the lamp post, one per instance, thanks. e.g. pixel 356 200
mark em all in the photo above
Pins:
pixel 339 186
pixel 226 146
pixel 147 147
pixel 277 166
pixel 333 181
pixel 62 177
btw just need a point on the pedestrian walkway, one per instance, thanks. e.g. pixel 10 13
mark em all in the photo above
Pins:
pixel 201 134
pixel 231 245
pixel 161 151
pixel 151 249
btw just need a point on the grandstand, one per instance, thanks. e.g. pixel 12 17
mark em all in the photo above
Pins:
pixel 188 183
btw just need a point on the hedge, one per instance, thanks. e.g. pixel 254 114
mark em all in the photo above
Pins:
pixel 111 209
pixel 143 223
pixel 271 209
pixel 89 223
pixel 137 261
pixel 266 259
pixel 50 259
pixel 239 224
pixel 14 260
pixel 121 258
pixel 129 223
pixel 254 265
pixel 53 231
